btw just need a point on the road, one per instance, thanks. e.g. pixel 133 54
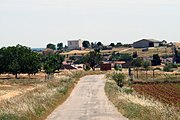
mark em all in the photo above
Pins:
pixel 87 102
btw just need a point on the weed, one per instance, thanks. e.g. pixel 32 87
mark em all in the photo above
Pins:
pixel 119 79
pixel 62 90
pixel 127 90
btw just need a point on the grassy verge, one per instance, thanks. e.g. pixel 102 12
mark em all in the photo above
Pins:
pixel 38 103
pixel 137 107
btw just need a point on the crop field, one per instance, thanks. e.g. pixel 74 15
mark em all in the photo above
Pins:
pixel 165 92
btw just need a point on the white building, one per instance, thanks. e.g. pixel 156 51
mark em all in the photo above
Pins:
pixel 75 44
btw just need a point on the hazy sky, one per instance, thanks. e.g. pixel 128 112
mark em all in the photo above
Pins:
pixel 35 23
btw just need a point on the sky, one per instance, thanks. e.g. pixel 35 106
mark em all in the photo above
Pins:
pixel 35 23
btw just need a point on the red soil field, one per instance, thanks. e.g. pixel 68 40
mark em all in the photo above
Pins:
pixel 165 92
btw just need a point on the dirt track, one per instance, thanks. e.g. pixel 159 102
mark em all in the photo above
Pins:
pixel 87 102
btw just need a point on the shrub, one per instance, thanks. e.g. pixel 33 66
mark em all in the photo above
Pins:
pixel 127 90
pixel 119 79
pixel 169 67
pixel 118 67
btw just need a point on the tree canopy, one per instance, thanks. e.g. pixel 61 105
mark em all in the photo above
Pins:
pixel 86 44
pixel 112 44
pixel 59 46
pixel 52 62
pixel 93 59
pixel 51 46
pixel 121 57
pixel 156 60
pixel 19 59
pixel 99 44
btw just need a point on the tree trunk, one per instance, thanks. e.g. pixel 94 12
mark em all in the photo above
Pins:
pixel 29 76
pixel 16 75
pixel 137 73
pixel 93 68
pixel 153 74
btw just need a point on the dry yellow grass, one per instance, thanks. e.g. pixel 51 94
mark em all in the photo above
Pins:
pixel 159 50
pixel 80 52
pixel 76 52
pixel 34 99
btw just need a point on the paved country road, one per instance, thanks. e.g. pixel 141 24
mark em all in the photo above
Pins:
pixel 87 102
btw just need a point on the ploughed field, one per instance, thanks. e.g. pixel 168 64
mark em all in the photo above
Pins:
pixel 165 92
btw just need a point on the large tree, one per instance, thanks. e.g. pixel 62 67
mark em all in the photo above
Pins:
pixel 3 62
pixel 51 63
pixel 93 59
pixel 31 63
pixel 86 44
pixel 18 59
pixel 51 46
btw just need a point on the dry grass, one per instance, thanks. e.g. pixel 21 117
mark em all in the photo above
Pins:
pixel 33 99
pixel 36 98
pixel 159 50
pixel 80 52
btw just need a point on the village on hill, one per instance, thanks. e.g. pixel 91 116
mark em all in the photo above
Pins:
pixel 115 53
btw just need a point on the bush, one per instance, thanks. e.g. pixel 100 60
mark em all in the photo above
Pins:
pixel 119 79
pixel 118 67
pixel 127 90
pixel 169 67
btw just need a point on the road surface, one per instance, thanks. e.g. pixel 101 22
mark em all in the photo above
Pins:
pixel 87 102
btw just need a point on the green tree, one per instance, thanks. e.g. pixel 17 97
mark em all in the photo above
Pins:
pixel 31 63
pixel 112 44
pixel 99 44
pixel 156 60
pixel 59 46
pixel 51 46
pixel 136 63
pixel 18 59
pixel 3 63
pixel 14 58
pixel 119 79
pixel 92 59
pixel 86 44
pixel 121 57
pixel 119 44
pixel 51 63
pixel 135 54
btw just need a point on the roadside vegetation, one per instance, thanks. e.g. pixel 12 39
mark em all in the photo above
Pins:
pixel 139 101
pixel 34 99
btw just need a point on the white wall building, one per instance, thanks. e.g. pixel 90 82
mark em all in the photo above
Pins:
pixel 75 44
